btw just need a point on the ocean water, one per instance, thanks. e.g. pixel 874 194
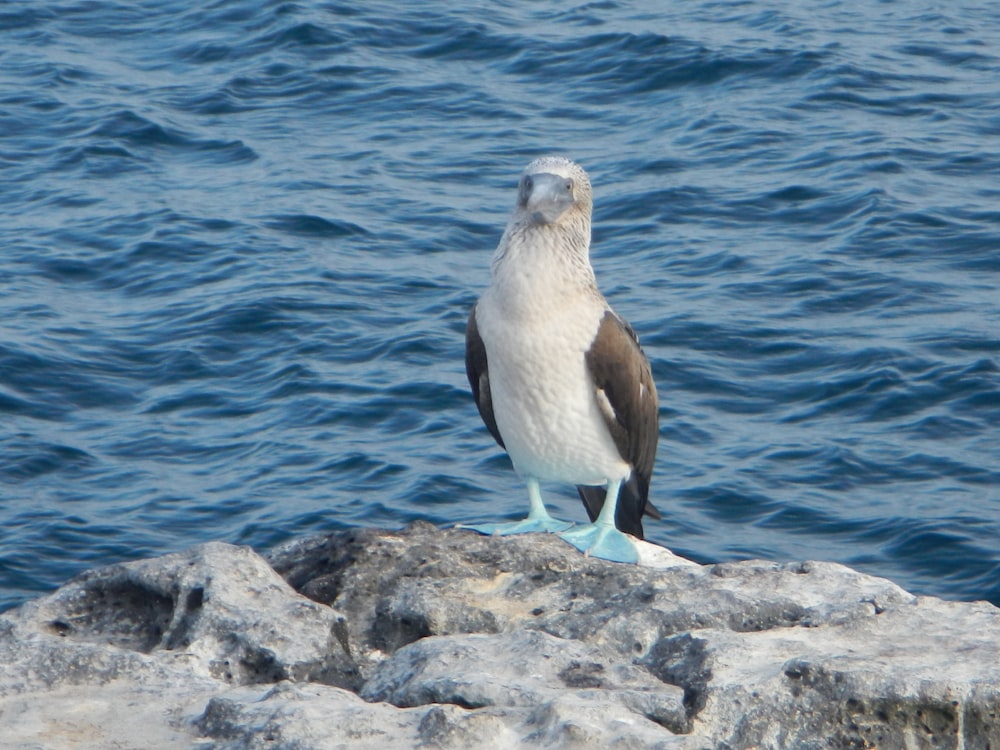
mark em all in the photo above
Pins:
pixel 239 241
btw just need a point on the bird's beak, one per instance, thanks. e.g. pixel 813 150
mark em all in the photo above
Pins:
pixel 547 197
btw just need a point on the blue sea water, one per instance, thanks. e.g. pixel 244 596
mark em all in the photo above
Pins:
pixel 239 240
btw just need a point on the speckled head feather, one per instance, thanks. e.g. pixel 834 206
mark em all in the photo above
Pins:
pixel 551 218
pixel 576 182
pixel 563 167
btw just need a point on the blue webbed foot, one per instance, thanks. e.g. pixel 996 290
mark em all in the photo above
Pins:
pixel 604 541
pixel 529 525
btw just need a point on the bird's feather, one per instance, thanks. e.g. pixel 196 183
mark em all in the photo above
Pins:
pixel 478 371
pixel 626 393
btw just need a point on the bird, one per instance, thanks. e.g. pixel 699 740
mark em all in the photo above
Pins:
pixel 559 378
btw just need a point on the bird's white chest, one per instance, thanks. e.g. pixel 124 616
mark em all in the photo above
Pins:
pixel 544 399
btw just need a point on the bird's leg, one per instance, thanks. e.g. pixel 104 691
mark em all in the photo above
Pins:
pixel 536 510
pixel 602 538
pixel 607 515
pixel 538 518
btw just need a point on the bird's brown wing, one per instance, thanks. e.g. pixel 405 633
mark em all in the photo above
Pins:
pixel 478 371
pixel 626 393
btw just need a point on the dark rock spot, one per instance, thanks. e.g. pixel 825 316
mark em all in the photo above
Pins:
pixel 682 660
pixel 60 628
pixel 583 675
pixel 119 613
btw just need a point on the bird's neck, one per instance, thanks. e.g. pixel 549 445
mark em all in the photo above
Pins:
pixel 541 274
pixel 544 262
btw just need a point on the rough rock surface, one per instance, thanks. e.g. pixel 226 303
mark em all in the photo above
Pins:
pixel 447 639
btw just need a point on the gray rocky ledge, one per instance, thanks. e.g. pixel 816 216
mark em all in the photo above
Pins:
pixel 447 639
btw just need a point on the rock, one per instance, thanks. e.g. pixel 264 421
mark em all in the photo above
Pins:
pixel 448 639
pixel 216 612
pixel 305 715
pixel 159 636
pixel 527 669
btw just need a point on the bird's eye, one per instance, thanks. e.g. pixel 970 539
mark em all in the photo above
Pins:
pixel 528 184
pixel 568 185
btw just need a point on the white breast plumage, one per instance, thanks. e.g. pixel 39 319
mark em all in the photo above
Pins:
pixel 544 400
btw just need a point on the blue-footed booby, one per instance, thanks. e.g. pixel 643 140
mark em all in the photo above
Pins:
pixel 558 376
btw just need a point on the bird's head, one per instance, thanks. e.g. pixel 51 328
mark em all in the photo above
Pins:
pixel 554 191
